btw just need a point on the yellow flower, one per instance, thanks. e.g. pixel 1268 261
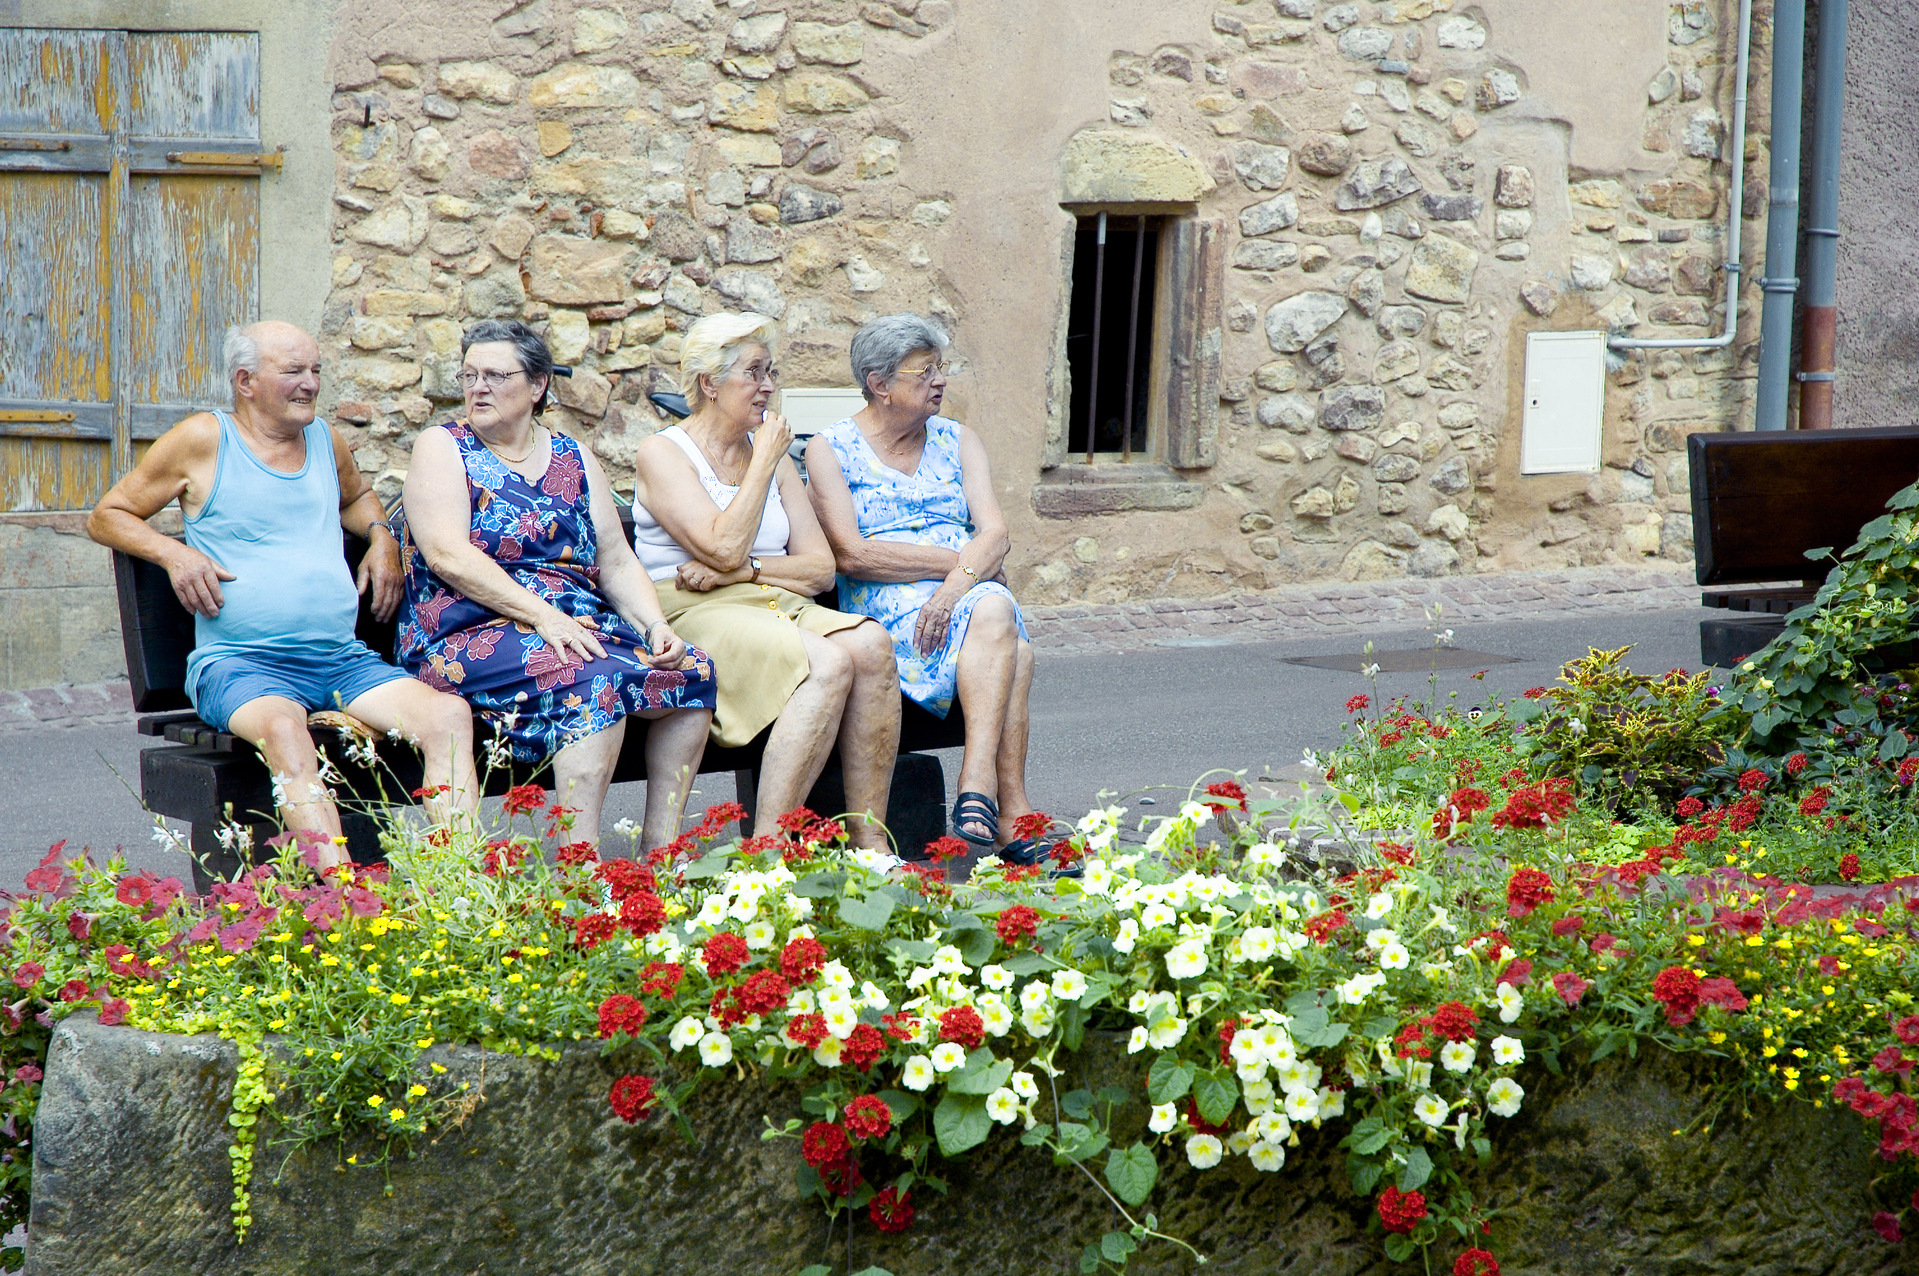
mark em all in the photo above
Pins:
pixel 424 1043
pixel 1696 941
pixel 397 1114
pixel 1716 1037
pixel 277 1024
pixel 416 1091
pixel 376 1100
pixel 399 999
pixel 515 977
pixel 1827 989
pixel 1755 941
pixel 417 971
pixel 337 1056
pixel 1792 1085
pixel 438 1067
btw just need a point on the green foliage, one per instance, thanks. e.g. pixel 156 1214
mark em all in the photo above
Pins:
pixel 1627 738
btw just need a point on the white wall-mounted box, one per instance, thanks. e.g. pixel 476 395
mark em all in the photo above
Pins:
pixel 808 411
pixel 1565 403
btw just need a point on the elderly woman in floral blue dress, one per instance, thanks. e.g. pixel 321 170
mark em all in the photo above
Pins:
pixel 906 498
pixel 523 596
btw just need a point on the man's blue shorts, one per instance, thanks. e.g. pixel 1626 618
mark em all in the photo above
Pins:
pixel 329 679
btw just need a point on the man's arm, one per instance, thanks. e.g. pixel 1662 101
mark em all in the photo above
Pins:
pixel 362 514
pixel 166 474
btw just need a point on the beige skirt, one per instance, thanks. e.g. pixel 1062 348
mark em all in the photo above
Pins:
pixel 752 633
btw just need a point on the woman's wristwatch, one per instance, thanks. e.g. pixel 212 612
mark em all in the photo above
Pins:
pixel 970 573
pixel 756 569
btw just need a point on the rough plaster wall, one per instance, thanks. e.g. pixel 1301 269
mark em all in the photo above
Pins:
pixel 1878 191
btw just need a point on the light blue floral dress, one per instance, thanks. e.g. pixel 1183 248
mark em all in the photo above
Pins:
pixel 926 507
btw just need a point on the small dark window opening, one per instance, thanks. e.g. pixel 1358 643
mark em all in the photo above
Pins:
pixel 1109 334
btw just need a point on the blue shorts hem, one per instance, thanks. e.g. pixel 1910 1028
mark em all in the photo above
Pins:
pixel 225 685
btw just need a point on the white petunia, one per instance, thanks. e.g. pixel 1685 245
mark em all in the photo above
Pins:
pixel 712 912
pixel 948 961
pixel 716 1050
pixel 836 999
pixel 1155 916
pixel 1137 1003
pixel 1265 855
pixel 1299 1074
pixel 1034 995
pixel 1251 1068
pixel 760 935
pixel 917 1072
pixel 996 977
pixel 1435 970
pixel 1355 991
pixel 1510 1002
pixel 997 1018
pixel 1255 943
pixel 1431 1109
pixel 1240 1142
pixel 1203 1151
pixel 1301 1105
pixel 1503 1096
pixel 1166 1031
pixel 1275 1043
pixel 1098 877
pixel 1394 957
pixel 1039 1021
pixel 1457 1056
pixel 827 1053
pixel 1508 1050
pixel 948 1056
pixel 841 1020
pixel 1137 1041
pixel 1069 985
pixel 1419 1074
pixel 1195 813
pixel 686 1032
pixel 1023 1085
pixel 1379 905
pixel 872 998
pixel 1378 939
pixel 1267 1157
pixel 1165 1117
pixel 1003 1106
pixel 1128 936
pixel 1332 1103
pixel 835 975
pixel 1271 1127
pixel 1186 960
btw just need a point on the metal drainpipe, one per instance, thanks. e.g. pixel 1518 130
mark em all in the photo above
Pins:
pixel 1819 320
pixel 1735 214
pixel 1782 214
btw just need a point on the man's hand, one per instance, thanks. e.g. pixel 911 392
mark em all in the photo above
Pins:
pixel 196 581
pixel 380 571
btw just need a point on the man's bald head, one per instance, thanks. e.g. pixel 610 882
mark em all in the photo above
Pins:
pixel 273 369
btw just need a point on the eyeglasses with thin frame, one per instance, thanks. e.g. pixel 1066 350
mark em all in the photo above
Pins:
pixel 757 375
pixel 925 375
pixel 491 379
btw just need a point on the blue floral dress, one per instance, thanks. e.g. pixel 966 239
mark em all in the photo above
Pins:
pixel 926 507
pixel 542 534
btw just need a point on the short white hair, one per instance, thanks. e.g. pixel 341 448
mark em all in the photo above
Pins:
pixel 241 353
pixel 713 345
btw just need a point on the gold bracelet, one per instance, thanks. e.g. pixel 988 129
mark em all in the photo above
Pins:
pixel 970 572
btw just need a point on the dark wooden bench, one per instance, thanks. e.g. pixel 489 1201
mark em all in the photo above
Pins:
pixel 209 778
pixel 1760 501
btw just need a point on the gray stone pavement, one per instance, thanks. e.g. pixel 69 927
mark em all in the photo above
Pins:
pixel 1133 698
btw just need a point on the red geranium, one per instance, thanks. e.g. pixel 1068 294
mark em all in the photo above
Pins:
pixel 662 978
pixel 1815 801
pixel 592 929
pixel 1459 808
pixel 574 854
pixel 632 1097
pixel 524 799
pixel 808 1030
pixel 1453 1021
pixel 1357 703
pixel 1887 1225
pixel 823 1144
pixel 1476 1262
pixel 621 1013
pixel 1848 865
pixel 1033 825
pixel 1536 806
pixel 868 1117
pixel 891 1210
pixel 941 849
pixel 625 877
pixel 763 992
pixel 1688 807
pixel 899 1026
pixel 1677 988
pixel 1229 795
pixel 863 1046
pixel 642 913
pixel 1752 780
pixel 1016 923
pixel 964 1025
pixel 725 953
pixel 1322 928
pixel 1526 890
pixel 802 958
pixel 1401 1211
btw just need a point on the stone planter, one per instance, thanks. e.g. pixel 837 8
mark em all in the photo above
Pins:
pixel 130 1175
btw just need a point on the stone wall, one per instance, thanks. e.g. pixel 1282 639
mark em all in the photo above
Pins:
pixel 131 1175
pixel 1404 189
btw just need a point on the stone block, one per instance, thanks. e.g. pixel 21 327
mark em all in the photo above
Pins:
pixel 1294 412
pixel 1371 560
pixel 819 93
pixel 1450 207
pixel 1075 491
pixel 381 374
pixel 744 107
pixel 749 243
pixel 401 225
pixel 1680 198
pixel 753 290
pixel 756 150
pixel 1292 324
pixel 841 45
pixel 1461 32
pixel 1277 213
pixel 395 301
pixel 586 392
pixel 1106 166
pixel 579 86
pixel 570 271
pixel 597 30
pixel 1375 183
pixel 1441 270
pixel 800 204
pixel 567 334
pixel 1395 359
pixel 1278 376
pixel 1498 87
pixel 1452 477
pixel 496 154
pixel 485 81
pixel 1352 407
pixel 1265 254
pixel 1327 154
pixel 760 33
pixel 1259 166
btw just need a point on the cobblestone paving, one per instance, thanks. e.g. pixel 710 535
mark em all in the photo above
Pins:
pixel 1273 615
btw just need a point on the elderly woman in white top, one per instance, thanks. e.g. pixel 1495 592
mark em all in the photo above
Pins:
pixel 723 527
pixel 906 498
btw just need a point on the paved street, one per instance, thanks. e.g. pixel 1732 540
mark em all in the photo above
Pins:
pixel 1117 706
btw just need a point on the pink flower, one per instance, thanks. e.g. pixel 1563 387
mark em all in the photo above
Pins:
pixel 1570 987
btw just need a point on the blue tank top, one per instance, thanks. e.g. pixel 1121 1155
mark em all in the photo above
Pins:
pixel 279 534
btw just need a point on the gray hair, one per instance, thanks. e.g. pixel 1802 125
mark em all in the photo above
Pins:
pixel 536 360
pixel 883 344
pixel 241 353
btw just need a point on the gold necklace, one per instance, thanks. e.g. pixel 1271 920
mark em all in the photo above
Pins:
pixel 510 460
pixel 711 463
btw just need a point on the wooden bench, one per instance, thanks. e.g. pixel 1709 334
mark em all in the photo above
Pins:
pixel 209 778
pixel 1760 501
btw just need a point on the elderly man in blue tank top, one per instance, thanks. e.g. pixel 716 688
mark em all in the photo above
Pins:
pixel 264 491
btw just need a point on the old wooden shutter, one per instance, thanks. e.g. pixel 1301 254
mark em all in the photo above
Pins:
pixel 129 240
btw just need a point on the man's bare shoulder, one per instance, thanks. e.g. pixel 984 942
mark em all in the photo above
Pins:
pixel 193 436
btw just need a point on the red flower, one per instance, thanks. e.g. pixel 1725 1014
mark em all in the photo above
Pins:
pixel 1891 1060
pixel 964 1025
pixel 1536 806
pixel 114 1011
pixel 1722 992
pixel 1887 1225
pixel 1533 693
pixel 1677 988
pixel 524 799
pixel 1322 928
pixel 1476 1262
pixel 1815 801
pixel 643 913
pixel 574 854
pixel 1688 807
pixel 899 1026
pixel 802 958
pixel 941 849
pixel 621 1013
pixel 623 877
pixel 1603 943
pixel 1567 926
pixel 764 992
pixel 1398 853
pixel 632 1097
pixel 1570 987
pixel 1356 704
pixel 1033 825
pixel 73 990
pixel 725 953
pixel 797 820
pixel 841 1178
pixel 868 1117
pixel 1907 770
pixel 1752 780
pixel 1016 923
pixel 1797 763
pixel 1454 1021
pixel 49 877
pixel 1518 972
pixel 716 818
pixel 1848 865
pixel 1526 890
pixel 662 978
pixel 27 1073
pixel 1744 813
pixel 808 1030
pixel 891 1210
pixel 1401 1211
pixel 823 1144
pixel 1231 795
pixel 1907 1030
pixel 591 930
pixel 863 1046
pixel 1460 808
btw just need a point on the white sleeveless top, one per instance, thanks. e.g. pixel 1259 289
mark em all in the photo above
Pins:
pixel 662 556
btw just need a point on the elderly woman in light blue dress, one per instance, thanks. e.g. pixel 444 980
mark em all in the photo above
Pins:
pixel 906 498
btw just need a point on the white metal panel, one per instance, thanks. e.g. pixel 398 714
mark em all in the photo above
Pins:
pixel 808 411
pixel 1565 403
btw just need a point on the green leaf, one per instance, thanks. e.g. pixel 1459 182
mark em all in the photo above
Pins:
pixel 982 1074
pixel 1115 1095
pixel 1078 1142
pixel 1072 1026
pixel 1131 1173
pixel 976 946
pixel 1115 1246
pixel 712 864
pixel 1027 964
pixel 1894 747
pixel 869 913
pixel 1169 1079
pixel 1483 1149
pixel 1313 1029
pixel 1380 1026
pixel 1077 1104
pixel 1089 1260
pixel 1216 1092
pixel 914 950
pixel 1373 1140
pixel 1418 1168
pixel 1524 710
pixel 1301 1002
pixel 817 1269
pixel 900 1104
pixel 1399 1248
pixel 819 885
pixel 872 1271
pixel 960 1123
pixel 1365 1175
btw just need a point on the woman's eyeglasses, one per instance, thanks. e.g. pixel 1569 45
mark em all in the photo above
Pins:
pixel 925 375
pixel 757 375
pixel 490 379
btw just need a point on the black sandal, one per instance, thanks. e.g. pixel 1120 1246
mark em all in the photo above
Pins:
pixel 976 808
